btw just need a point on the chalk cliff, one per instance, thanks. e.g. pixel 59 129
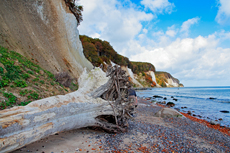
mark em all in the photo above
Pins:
pixel 167 80
pixel 131 76
pixel 142 74
pixel 152 74
pixel 44 31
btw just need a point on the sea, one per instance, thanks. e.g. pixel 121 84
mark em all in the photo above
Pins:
pixel 204 102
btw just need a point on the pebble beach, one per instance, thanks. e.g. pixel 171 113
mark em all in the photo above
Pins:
pixel 146 133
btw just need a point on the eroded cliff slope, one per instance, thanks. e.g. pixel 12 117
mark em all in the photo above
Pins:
pixel 167 80
pixel 142 74
pixel 44 31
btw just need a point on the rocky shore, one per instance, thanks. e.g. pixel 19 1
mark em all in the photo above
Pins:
pixel 146 133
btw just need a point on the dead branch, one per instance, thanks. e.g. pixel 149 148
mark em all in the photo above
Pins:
pixel 115 91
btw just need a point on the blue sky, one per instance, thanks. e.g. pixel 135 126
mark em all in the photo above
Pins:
pixel 189 39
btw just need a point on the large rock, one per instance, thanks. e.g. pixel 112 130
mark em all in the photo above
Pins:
pixel 44 31
pixel 168 112
pixel 224 111
pixel 171 104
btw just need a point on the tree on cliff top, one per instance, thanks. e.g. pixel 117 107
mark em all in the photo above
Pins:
pixel 75 9
pixel 98 52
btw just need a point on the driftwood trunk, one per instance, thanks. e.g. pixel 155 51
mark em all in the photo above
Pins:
pixel 105 107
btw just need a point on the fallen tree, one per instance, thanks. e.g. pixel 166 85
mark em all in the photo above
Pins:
pixel 106 107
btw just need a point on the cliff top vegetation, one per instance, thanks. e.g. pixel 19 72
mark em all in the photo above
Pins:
pixel 98 52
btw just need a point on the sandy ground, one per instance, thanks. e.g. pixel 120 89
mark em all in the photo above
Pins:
pixel 146 133
pixel 80 140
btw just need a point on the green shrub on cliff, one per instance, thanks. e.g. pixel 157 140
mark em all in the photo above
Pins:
pixel 22 81
pixel 139 67
pixel 98 51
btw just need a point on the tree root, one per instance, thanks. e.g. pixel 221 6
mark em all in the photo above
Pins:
pixel 115 91
pixel 110 127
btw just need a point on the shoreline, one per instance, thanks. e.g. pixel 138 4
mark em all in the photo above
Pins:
pixel 149 88
pixel 145 133
pixel 222 129
pixel 211 106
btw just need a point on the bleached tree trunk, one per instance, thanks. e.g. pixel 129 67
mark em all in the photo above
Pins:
pixel 20 126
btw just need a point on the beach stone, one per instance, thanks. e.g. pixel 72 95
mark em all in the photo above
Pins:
pixel 178 109
pixel 189 113
pixel 171 104
pixel 224 111
pixel 165 98
pixel 156 96
pixel 212 122
pixel 212 98
pixel 168 112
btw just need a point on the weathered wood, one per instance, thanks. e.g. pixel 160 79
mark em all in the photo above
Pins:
pixel 112 91
pixel 20 126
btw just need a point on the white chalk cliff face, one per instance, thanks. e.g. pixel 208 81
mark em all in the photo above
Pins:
pixel 172 83
pixel 152 74
pixel 44 31
pixel 131 75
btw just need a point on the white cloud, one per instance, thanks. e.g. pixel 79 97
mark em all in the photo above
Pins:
pixel 183 57
pixel 198 58
pixel 171 31
pixel 111 20
pixel 223 15
pixel 223 35
pixel 162 39
pixel 187 24
pixel 158 33
pixel 145 31
pixel 141 36
pixel 158 6
pixel 95 35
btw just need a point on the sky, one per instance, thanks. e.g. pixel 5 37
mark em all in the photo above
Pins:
pixel 190 39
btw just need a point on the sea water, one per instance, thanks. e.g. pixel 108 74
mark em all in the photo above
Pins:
pixel 207 102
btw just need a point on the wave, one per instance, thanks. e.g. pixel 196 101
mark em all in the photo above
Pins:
pixel 184 96
pixel 222 100
pixel 197 97
pixel 203 95
pixel 205 98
